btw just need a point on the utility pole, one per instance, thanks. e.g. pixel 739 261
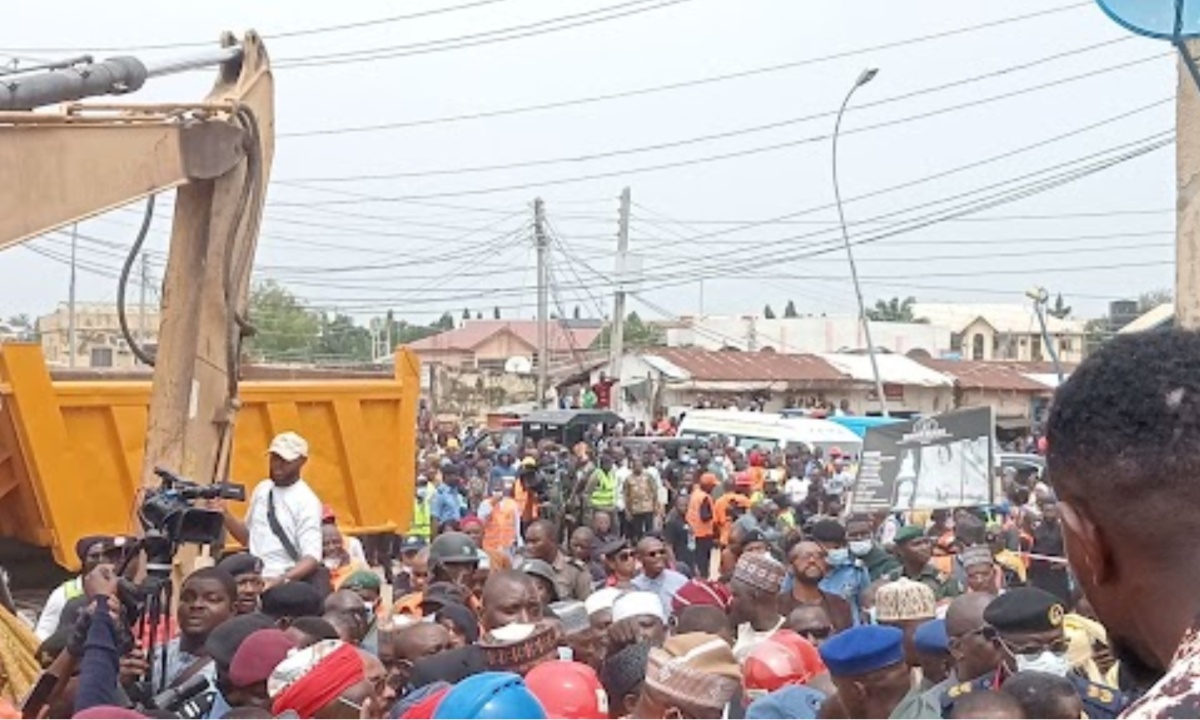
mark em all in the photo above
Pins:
pixel 142 337
pixel 71 300
pixel 617 346
pixel 1187 197
pixel 543 299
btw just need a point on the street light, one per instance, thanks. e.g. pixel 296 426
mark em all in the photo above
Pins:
pixel 1040 296
pixel 865 77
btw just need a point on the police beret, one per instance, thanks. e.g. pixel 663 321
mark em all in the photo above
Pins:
pixel 242 563
pixel 863 649
pixel 361 580
pixel 612 547
pixel 908 533
pixel 930 637
pixel 1025 610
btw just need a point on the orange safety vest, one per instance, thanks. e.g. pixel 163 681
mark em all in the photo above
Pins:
pixel 724 526
pixel 500 530
pixel 529 510
pixel 757 478
pixel 700 528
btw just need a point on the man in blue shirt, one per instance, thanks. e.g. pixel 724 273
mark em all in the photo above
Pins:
pixel 447 504
pixel 847 576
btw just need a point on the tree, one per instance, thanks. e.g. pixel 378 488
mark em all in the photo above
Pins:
pixel 445 322
pixel 790 310
pixel 284 329
pixel 894 310
pixel 1060 310
pixel 637 334
pixel 466 314
pixel 341 339
pixel 1147 301
pixel 768 313
pixel 478 315
pixel 496 313
pixel 24 328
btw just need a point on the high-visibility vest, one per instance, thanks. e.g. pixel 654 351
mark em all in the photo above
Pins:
pixel 604 495
pixel 526 501
pixel 500 530
pixel 73 588
pixel 700 528
pixel 721 519
pixel 422 514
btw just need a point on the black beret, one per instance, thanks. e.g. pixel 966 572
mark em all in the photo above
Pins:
pixel 1025 610
pixel 225 638
pixel 828 531
pixel 292 600
pixel 242 563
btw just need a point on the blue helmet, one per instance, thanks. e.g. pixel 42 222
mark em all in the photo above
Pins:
pixel 490 695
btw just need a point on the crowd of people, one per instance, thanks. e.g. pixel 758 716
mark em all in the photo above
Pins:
pixel 718 583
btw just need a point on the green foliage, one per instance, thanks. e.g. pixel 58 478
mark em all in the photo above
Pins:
pixel 285 329
pixel 790 310
pixel 895 310
pixel 1147 301
pixel 637 334
pixel 1060 310
pixel 768 313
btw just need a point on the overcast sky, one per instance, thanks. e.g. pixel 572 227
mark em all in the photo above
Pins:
pixel 442 237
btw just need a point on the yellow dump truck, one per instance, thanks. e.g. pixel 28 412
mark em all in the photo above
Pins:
pixel 71 449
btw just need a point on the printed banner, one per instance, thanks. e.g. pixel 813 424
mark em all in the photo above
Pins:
pixel 938 461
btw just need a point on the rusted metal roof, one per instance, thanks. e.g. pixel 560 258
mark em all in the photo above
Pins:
pixel 733 366
pixel 991 375
pixel 563 338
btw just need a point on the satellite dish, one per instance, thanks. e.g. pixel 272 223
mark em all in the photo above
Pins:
pixel 1161 19
pixel 518 365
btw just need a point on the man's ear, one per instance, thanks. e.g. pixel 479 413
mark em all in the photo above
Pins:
pixel 1090 553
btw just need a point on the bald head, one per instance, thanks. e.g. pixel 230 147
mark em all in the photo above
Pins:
pixel 344 601
pixel 421 640
pixel 965 613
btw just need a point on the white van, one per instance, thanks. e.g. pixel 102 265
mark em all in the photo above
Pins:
pixel 769 431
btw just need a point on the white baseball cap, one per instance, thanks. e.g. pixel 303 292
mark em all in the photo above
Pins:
pixel 289 446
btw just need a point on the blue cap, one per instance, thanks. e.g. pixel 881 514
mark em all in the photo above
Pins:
pixel 863 649
pixel 490 695
pixel 793 701
pixel 931 637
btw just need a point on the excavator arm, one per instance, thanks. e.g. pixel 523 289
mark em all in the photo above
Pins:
pixel 62 166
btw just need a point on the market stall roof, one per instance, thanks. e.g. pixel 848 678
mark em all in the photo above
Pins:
pixel 893 369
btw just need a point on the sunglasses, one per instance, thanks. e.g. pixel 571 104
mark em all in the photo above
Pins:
pixel 816 633
pixel 654 553
pixel 624 555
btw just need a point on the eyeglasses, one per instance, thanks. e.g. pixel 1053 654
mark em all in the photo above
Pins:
pixel 654 553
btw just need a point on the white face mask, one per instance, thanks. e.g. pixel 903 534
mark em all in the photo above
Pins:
pixel 859 548
pixel 1047 662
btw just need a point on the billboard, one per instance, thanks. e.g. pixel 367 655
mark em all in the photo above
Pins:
pixel 937 461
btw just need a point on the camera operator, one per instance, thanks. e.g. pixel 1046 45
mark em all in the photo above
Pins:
pixel 283 523
pixel 101 650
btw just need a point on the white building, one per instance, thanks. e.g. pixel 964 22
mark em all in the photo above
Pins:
pixel 1004 332
pixel 804 335
pixel 98 339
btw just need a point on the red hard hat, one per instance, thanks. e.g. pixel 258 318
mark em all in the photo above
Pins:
pixel 835 452
pixel 568 690
pixel 783 659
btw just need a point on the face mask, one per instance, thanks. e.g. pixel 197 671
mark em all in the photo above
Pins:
pixel 859 548
pixel 1046 662
pixel 331 563
pixel 841 556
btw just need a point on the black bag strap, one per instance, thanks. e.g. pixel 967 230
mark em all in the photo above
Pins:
pixel 277 529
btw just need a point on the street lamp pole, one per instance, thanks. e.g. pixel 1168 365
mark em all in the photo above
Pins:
pixel 864 78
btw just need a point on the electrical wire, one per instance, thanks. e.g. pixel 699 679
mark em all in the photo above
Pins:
pixel 591 17
pixel 666 165
pixel 687 83
pixel 275 36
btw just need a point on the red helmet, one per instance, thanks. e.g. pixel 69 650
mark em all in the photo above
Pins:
pixel 783 659
pixel 568 690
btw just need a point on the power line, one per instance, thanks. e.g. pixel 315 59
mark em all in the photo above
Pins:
pixel 683 84
pixel 987 219
pixel 754 129
pixel 591 17
pixel 275 36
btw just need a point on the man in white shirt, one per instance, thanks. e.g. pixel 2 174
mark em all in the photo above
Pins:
pixel 757 581
pixel 796 489
pixel 297 512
